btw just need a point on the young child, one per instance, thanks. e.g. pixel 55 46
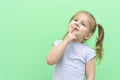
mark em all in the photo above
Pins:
pixel 73 59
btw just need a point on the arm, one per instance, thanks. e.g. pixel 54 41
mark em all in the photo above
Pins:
pixel 90 70
pixel 56 53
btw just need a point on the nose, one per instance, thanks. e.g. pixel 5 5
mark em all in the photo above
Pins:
pixel 76 24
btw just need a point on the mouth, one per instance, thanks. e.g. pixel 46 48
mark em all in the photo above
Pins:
pixel 76 29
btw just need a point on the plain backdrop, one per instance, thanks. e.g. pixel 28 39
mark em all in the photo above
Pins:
pixel 28 29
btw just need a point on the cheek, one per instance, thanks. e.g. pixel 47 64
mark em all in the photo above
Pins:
pixel 71 23
pixel 82 32
pixel 83 28
pixel 69 26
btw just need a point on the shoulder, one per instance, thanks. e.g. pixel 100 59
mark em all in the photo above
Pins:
pixel 85 52
pixel 90 54
pixel 87 48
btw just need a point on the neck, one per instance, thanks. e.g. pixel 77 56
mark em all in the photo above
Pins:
pixel 79 41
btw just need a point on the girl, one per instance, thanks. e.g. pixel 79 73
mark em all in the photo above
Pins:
pixel 73 58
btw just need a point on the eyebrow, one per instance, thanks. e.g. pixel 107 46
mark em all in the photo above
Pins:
pixel 76 17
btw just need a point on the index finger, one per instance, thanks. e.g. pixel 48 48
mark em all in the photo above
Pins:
pixel 71 29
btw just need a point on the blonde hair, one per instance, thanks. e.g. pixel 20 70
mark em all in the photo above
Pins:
pixel 100 38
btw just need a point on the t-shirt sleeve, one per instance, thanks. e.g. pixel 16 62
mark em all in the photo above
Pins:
pixel 89 55
pixel 57 42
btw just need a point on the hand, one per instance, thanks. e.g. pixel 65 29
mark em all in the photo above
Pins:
pixel 70 36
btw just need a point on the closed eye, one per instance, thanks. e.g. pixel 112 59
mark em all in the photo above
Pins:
pixel 75 20
pixel 83 24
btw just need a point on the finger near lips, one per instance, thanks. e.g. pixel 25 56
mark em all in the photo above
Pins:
pixel 71 29
pixel 75 28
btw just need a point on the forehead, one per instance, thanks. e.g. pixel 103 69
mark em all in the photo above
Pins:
pixel 82 16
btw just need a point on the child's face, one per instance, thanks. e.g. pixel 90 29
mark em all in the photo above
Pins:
pixel 81 24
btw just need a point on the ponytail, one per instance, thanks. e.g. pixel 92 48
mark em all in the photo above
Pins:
pixel 99 42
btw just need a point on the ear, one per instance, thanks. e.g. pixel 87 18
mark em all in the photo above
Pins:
pixel 88 36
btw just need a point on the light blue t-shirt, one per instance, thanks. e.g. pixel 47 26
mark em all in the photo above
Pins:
pixel 71 65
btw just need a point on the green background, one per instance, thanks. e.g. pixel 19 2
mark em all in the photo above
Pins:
pixel 28 29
